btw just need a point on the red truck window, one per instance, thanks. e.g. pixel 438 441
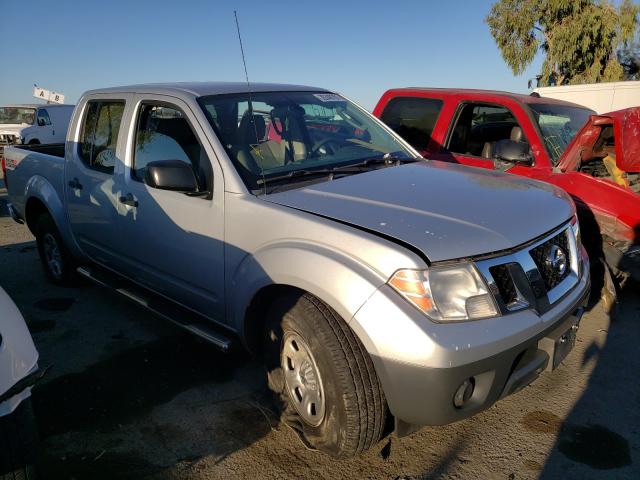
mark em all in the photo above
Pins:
pixel 478 127
pixel 412 118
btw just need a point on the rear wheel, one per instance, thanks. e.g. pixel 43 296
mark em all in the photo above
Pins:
pixel 322 377
pixel 57 261
pixel 18 444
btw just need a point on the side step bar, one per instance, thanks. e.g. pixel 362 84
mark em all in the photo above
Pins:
pixel 159 305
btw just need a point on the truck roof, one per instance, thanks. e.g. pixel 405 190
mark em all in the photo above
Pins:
pixel 200 89
pixel 519 97
pixel 37 105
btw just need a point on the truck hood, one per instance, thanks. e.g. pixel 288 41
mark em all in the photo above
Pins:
pixel 445 210
pixel 620 128
pixel 11 128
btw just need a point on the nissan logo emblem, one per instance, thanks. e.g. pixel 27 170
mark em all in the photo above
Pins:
pixel 556 260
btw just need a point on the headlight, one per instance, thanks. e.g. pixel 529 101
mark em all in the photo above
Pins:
pixel 17 139
pixel 446 294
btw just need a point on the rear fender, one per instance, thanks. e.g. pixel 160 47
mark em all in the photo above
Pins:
pixel 40 188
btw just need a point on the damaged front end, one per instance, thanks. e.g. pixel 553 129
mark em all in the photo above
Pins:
pixel 607 148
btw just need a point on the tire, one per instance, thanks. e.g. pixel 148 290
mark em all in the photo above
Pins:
pixel 18 444
pixel 60 267
pixel 351 411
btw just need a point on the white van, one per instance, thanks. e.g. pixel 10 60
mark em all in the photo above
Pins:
pixel 601 97
pixel 33 123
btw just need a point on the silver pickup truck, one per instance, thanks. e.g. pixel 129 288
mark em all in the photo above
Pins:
pixel 376 284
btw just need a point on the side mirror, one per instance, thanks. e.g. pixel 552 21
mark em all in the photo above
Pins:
pixel 41 122
pixel 171 175
pixel 512 152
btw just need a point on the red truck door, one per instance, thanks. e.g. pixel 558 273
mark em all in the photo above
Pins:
pixel 475 129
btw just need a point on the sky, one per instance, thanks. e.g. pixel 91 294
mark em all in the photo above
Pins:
pixel 358 48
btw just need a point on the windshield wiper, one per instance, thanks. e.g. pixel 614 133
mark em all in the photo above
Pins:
pixel 306 173
pixel 339 170
pixel 386 159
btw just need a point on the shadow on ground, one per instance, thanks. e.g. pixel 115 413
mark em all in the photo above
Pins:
pixel 175 399
pixel 584 446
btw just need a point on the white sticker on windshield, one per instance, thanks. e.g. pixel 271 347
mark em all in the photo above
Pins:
pixel 328 97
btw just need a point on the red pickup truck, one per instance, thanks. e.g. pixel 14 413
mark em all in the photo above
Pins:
pixel 595 158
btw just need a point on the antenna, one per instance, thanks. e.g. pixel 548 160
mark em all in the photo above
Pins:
pixel 246 76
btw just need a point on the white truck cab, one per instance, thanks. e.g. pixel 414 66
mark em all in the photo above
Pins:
pixel 601 97
pixel 34 123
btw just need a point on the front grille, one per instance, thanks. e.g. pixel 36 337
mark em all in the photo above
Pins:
pixel 6 139
pixel 550 275
pixel 532 276
pixel 504 283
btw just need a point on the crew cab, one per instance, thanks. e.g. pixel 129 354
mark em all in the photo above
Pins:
pixel 32 124
pixel 290 220
pixel 595 158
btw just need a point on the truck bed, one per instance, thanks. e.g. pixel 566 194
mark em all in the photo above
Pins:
pixel 53 149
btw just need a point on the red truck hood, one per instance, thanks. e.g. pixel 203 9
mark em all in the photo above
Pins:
pixel 626 132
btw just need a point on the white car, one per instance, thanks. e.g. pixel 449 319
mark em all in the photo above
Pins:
pixel 18 372
pixel 34 124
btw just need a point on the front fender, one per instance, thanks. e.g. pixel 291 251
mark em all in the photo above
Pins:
pixel 39 187
pixel 341 281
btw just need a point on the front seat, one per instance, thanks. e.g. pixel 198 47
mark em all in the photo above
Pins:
pixel 251 132
pixel 487 150
pixel 294 132
pixel 516 134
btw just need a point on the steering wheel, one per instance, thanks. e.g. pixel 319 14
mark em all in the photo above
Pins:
pixel 327 142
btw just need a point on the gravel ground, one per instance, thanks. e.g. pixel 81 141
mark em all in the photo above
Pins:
pixel 131 396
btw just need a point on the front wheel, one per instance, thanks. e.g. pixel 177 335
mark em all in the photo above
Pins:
pixel 323 377
pixel 59 266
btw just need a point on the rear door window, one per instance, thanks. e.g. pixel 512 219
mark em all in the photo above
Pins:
pixel 99 134
pixel 413 118
pixel 479 126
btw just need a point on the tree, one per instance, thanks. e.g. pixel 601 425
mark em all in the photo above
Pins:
pixel 579 38
pixel 629 58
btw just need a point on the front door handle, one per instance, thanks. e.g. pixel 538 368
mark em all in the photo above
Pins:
pixel 75 184
pixel 129 200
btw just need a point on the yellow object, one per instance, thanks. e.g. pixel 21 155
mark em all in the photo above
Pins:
pixel 618 175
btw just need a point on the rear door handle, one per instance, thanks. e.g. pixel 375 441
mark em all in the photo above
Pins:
pixel 129 200
pixel 75 184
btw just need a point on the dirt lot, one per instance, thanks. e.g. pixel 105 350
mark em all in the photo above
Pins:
pixel 130 396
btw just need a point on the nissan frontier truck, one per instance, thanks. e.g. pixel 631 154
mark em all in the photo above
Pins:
pixel 380 288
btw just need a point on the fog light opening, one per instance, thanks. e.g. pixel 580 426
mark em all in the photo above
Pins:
pixel 464 392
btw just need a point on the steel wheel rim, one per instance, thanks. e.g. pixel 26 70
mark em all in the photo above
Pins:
pixel 52 255
pixel 302 379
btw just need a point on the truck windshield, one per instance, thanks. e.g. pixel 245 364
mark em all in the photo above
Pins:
pixel 17 115
pixel 292 134
pixel 558 125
